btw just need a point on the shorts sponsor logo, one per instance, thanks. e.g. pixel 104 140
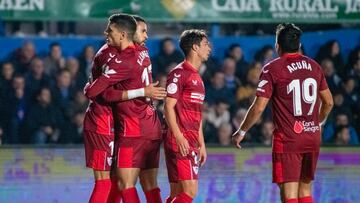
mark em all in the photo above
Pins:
pixel 303 126
pixel 172 88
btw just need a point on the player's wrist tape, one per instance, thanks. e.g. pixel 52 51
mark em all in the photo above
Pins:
pixel 136 93
pixel 242 133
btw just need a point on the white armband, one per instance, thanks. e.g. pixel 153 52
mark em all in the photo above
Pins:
pixel 136 93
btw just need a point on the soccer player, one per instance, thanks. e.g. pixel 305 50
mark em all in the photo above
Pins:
pixel 184 142
pixel 137 125
pixel 98 128
pixel 301 101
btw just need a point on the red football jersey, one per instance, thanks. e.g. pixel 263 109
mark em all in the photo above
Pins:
pixel 185 84
pixel 293 83
pixel 136 117
pixel 98 116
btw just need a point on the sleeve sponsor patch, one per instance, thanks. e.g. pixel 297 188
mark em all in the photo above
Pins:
pixel 172 88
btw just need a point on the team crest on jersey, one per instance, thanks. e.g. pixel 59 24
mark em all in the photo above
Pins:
pixel 172 88
pixel 109 160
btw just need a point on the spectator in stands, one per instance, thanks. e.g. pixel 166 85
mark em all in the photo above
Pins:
pixel 355 73
pixel 208 128
pixel 55 61
pixel 76 128
pixel 85 59
pixel 63 93
pixel 342 135
pixel 7 73
pixel 235 52
pixel 78 79
pixel 232 82
pixel 224 133
pixel 36 79
pixel 338 106
pixel 354 56
pixel 238 118
pixel 219 113
pixel 342 119
pixel 15 108
pixel 333 80
pixel 217 90
pixel 266 133
pixel 79 104
pixel 23 56
pixel 167 58
pixel 44 120
pixel 265 54
pixel 331 51
pixel 246 93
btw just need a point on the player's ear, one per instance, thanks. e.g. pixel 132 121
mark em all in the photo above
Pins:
pixel 195 47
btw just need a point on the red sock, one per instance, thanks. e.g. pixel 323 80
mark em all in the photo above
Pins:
pixel 130 195
pixel 114 195
pixel 153 196
pixel 182 198
pixel 307 199
pixel 295 200
pixel 169 199
pixel 101 191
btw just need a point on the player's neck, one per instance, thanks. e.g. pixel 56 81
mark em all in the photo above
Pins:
pixel 194 61
pixel 125 45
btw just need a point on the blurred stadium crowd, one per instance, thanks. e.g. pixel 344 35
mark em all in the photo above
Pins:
pixel 41 98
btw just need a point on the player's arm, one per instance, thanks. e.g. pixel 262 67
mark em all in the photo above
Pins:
pixel 113 72
pixel 327 104
pixel 253 114
pixel 112 94
pixel 170 117
pixel 203 154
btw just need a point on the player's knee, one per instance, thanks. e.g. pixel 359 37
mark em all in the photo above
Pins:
pixel 148 183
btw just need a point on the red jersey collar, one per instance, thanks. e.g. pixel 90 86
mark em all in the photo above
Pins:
pixel 291 55
pixel 187 65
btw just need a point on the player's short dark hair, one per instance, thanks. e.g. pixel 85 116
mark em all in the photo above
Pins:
pixel 139 18
pixel 190 37
pixel 288 37
pixel 125 23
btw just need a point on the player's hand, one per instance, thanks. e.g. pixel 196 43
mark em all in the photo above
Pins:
pixel 237 138
pixel 182 144
pixel 158 93
pixel 203 155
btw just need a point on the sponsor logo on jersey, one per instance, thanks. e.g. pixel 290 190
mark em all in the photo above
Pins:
pixel 171 88
pixel 195 82
pixel 107 71
pixel 303 126
pixel 261 84
pixel 195 95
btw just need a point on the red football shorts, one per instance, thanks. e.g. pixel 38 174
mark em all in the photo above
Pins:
pixel 294 167
pixel 98 150
pixel 138 153
pixel 182 167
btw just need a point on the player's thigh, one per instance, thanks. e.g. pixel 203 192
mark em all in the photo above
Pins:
pixel 98 151
pixel 286 167
pixel 101 175
pixel 290 190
